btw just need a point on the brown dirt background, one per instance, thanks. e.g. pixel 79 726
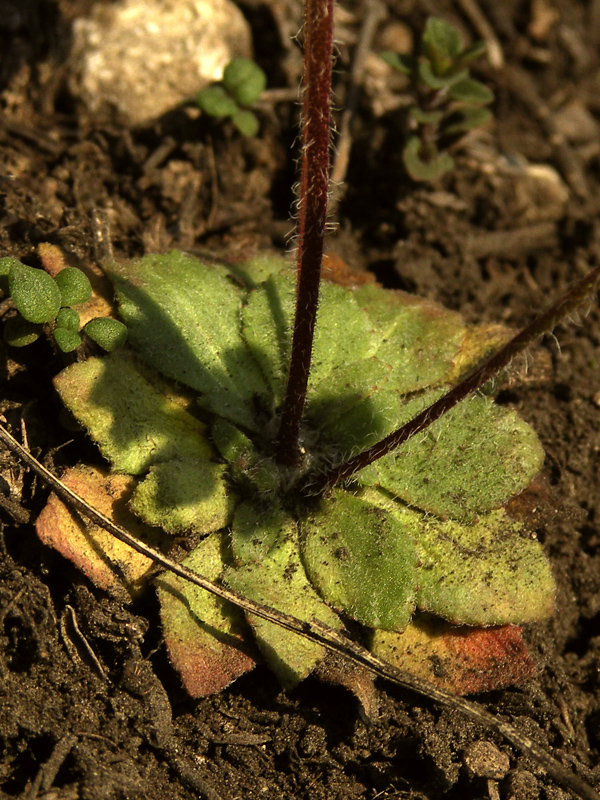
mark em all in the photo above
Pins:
pixel 67 731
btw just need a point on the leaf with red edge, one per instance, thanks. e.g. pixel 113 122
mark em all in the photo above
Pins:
pixel 206 637
pixel 107 562
pixel 461 660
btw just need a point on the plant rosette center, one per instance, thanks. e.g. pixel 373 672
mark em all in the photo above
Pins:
pixel 413 546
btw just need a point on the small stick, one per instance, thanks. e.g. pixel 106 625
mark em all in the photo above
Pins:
pixel 317 632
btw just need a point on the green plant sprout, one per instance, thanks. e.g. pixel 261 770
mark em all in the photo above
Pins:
pixel 448 102
pixel 43 301
pixel 242 85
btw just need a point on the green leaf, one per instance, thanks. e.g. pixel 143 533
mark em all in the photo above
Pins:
pixel 257 269
pixel 472 52
pixel 68 319
pixel 442 43
pixel 134 425
pixel 184 318
pixel 420 169
pixel 471 91
pixel 267 326
pixel 467 463
pixel 463 120
pixel 35 294
pixel 490 572
pixel 216 102
pixel 244 80
pixel 414 343
pixel 109 333
pixel 439 81
pixel 405 64
pixel 425 117
pixel 265 545
pixel 362 561
pixel 66 339
pixel 6 264
pixel 184 495
pixel 206 637
pixel 246 122
pixel 487 573
pixel 19 333
pixel 74 286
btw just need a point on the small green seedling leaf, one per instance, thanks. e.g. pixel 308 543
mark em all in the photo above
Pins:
pixel 443 44
pixel 19 333
pixel 246 122
pixel 109 333
pixel 216 102
pixel 472 52
pixel 74 286
pixel 464 119
pixel 471 91
pixel 405 64
pixel 66 339
pixel 420 169
pixel 244 80
pixel 417 114
pixel 6 264
pixel 68 319
pixel 35 294
pixel 442 81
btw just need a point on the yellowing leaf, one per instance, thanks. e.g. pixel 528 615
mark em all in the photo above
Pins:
pixel 459 660
pixel 107 562
pixel 133 424
pixel 205 636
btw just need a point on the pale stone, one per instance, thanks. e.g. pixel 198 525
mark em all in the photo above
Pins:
pixel 144 57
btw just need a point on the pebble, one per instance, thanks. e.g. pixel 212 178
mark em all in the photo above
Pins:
pixel 144 57
pixel 483 760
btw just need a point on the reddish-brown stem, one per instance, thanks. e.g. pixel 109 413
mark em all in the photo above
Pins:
pixel 541 324
pixel 314 189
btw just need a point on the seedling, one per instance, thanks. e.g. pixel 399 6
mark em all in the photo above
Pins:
pixel 318 478
pixel 44 302
pixel 448 102
pixel 242 85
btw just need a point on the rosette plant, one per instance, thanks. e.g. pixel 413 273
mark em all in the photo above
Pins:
pixel 324 455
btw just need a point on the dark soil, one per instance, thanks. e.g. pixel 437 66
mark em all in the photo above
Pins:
pixel 484 240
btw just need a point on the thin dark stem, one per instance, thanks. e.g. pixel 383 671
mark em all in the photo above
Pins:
pixel 315 631
pixel 542 324
pixel 314 189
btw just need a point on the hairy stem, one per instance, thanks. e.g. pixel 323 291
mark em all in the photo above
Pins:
pixel 314 189
pixel 543 323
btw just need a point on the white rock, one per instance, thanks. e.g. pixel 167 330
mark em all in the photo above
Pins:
pixel 144 57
